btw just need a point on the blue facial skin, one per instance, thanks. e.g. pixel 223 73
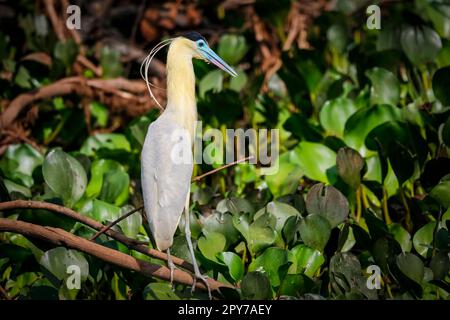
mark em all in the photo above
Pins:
pixel 212 57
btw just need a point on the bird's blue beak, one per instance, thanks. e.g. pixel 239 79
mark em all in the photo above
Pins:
pixel 212 57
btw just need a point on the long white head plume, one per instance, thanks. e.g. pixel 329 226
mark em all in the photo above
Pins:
pixel 146 64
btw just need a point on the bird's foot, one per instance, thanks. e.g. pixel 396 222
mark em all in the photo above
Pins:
pixel 171 266
pixel 204 278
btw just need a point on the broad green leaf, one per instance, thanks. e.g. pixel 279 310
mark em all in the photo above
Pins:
pixel 281 212
pixel 235 206
pixel 270 262
pixel 66 52
pixel 423 239
pixel 287 178
pixel 349 164
pixel 258 234
pixel 131 224
pixel 211 81
pixel 100 113
pixel 110 141
pixel 211 245
pixel 327 202
pixel 159 291
pixel 109 181
pixel 335 113
pixel 234 264
pixel 59 261
pixel 363 121
pixel 65 176
pixel 385 86
pixel 315 231
pixel 441 81
pixel 421 44
pixel 411 266
pixel 314 159
pixel 295 285
pixel 441 193
pixel 401 236
pixel 232 48
pixel 19 162
pixel 103 211
pixel 256 286
pixel 220 223
pixel 305 260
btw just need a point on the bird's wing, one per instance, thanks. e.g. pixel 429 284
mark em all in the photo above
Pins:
pixel 166 170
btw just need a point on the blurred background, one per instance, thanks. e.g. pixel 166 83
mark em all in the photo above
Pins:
pixel 361 98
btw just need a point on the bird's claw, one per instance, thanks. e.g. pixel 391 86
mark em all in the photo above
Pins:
pixel 205 281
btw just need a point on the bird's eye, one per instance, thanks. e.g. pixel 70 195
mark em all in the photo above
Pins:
pixel 201 44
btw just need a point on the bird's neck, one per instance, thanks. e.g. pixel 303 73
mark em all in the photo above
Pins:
pixel 181 88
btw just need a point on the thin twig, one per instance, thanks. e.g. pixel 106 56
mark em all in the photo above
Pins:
pixel 113 223
pixel 197 178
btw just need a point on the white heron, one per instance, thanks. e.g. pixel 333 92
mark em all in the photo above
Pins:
pixel 165 179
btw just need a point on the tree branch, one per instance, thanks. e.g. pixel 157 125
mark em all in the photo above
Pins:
pixel 130 243
pixel 61 237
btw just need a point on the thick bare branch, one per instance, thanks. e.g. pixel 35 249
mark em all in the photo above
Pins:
pixel 61 237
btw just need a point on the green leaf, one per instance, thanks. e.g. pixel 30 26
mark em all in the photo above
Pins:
pixel 235 206
pixel 350 164
pixel 421 44
pixel 59 259
pixel 401 236
pixel 103 211
pixel 234 264
pixel 295 285
pixel 440 264
pixel 423 239
pixel 66 52
pixel 411 266
pixel 385 86
pixel 315 159
pixel 211 245
pixel 363 121
pixel 258 235
pixel 100 113
pixel 19 162
pixel 446 132
pixel 23 78
pixel 327 202
pixel 441 193
pixel 334 115
pixel 65 176
pixel 110 141
pixel 238 83
pixel 110 62
pixel 131 224
pixel 270 262
pixel 221 223
pixel 315 231
pixel 256 286
pixel 159 291
pixel 280 211
pixel 305 260
pixel 286 180
pixel 232 48
pixel 211 81
pixel 441 81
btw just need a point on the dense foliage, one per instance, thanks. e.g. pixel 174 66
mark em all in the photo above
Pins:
pixel 364 168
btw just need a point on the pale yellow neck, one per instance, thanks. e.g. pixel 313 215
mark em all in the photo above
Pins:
pixel 181 85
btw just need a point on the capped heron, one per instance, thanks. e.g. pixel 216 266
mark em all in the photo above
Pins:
pixel 165 180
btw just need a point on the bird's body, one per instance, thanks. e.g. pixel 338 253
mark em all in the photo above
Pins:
pixel 165 183
pixel 167 161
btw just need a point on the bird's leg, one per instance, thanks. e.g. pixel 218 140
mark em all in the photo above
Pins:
pixel 171 267
pixel 197 272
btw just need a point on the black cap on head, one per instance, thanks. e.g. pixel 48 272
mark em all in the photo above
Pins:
pixel 193 35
